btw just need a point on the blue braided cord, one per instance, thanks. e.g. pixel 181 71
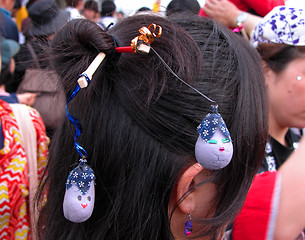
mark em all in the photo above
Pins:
pixel 78 127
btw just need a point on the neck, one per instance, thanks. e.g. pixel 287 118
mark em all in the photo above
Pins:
pixel 2 91
pixel 277 131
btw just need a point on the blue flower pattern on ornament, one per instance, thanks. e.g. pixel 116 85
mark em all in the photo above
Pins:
pixel 82 176
pixel 209 124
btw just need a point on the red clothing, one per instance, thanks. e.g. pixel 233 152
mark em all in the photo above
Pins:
pixel 14 183
pixel 256 220
pixel 261 7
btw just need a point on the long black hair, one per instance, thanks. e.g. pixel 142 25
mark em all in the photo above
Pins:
pixel 139 126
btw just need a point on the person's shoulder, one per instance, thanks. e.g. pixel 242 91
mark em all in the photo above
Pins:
pixel 7 19
pixel 8 28
pixel 4 105
pixel 11 98
pixel 33 113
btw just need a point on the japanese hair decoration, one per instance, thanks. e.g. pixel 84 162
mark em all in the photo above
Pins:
pixel 79 197
pixel 80 191
pixel 214 147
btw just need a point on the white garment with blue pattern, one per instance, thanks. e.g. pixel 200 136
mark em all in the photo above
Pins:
pixel 281 25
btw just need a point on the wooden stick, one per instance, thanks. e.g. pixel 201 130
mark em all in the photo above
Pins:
pixel 82 82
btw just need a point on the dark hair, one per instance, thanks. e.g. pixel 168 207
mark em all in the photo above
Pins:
pixel 17 4
pixel 72 3
pixel 232 76
pixel 143 9
pixel 29 3
pixel 6 77
pixel 91 5
pixel 108 7
pixel 278 55
pixel 139 125
pixel 178 6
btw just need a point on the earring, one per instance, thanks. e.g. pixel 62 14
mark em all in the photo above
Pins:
pixel 299 78
pixel 188 226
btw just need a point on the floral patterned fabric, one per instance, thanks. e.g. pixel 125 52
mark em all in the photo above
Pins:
pixel 281 25
pixel 14 183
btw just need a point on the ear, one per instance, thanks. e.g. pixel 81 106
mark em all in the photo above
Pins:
pixel 269 74
pixel 186 182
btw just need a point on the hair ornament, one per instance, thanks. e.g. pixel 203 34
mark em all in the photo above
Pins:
pixel 209 124
pixel 85 78
pixel 141 43
pixel 80 191
pixel 214 147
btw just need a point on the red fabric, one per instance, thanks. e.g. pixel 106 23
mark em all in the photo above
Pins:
pixel 253 221
pixel 261 7
pixel 14 184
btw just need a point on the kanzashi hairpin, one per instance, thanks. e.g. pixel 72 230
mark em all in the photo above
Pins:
pixel 85 78
pixel 214 147
pixel 141 43
pixel 80 191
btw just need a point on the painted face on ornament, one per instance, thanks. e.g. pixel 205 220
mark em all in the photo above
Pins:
pixel 78 207
pixel 216 153
pixel 214 148
pixel 80 194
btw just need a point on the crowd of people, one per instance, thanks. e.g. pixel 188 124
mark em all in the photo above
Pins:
pixel 185 124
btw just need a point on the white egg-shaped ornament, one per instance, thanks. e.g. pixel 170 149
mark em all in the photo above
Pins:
pixel 214 148
pixel 80 194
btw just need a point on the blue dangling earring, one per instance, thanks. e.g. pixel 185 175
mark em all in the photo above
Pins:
pixel 188 226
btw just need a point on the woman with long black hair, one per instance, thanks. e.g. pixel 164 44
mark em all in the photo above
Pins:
pixel 138 134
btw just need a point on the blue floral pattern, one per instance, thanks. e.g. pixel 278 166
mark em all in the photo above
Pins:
pixel 209 124
pixel 82 176
pixel 281 25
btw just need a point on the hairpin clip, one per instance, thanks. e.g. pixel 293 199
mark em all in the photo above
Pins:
pixel 141 43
